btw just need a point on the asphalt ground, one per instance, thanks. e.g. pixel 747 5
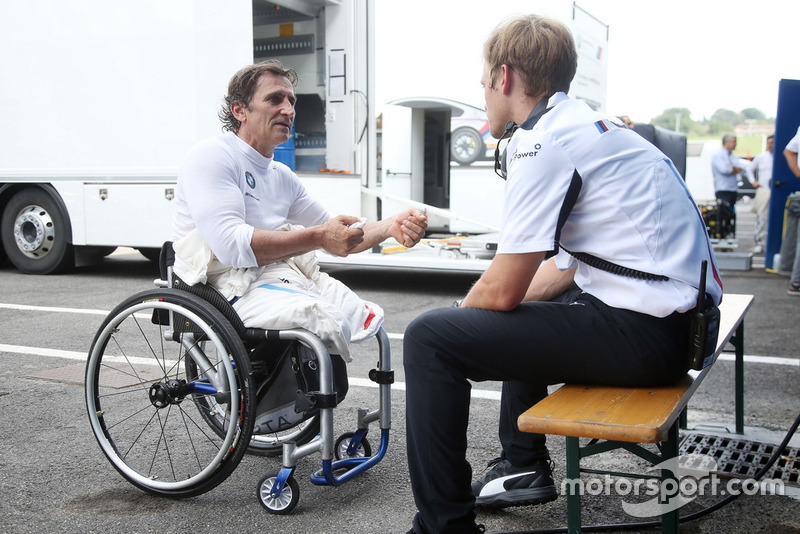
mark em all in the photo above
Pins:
pixel 54 478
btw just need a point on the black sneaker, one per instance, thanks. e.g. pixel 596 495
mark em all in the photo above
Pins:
pixel 506 485
pixel 793 290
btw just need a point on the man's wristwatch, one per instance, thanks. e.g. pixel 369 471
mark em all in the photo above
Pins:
pixel 457 303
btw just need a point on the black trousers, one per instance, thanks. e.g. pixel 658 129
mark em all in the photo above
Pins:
pixel 727 196
pixel 576 339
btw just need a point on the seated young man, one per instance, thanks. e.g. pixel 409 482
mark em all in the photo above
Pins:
pixel 610 306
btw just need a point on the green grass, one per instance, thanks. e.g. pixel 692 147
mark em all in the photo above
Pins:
pixel 749 146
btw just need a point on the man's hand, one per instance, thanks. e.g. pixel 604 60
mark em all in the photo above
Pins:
pixel 338 238
pixel 408 227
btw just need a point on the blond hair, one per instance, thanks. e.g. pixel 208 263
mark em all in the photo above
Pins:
pixel 541 51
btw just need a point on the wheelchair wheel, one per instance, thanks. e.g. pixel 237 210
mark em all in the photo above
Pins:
pixel 341 448
pixel 151 389
pixel 280 504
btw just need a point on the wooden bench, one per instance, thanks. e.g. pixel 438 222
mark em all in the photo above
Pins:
pixel 627 417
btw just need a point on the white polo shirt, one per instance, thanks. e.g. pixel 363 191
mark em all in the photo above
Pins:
pixel 581 179
pixel 226 189
pixel 794 143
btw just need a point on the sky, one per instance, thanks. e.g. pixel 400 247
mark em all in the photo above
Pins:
pixel 702 55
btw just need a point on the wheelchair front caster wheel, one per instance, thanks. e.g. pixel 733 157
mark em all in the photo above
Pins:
pixel 283 502
pixel 342 449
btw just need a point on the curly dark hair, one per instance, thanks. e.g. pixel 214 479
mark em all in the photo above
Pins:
pixel 242 87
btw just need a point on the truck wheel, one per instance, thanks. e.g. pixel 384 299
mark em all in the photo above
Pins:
pixel 466 146
pixel 36 234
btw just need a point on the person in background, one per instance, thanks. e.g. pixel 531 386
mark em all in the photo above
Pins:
pixel 790 153
pixel 610 306
pixel 627 121
pixel 726 167
pixel 760 169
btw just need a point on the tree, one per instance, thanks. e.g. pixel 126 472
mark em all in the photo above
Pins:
pixel 673 118
pixel 753 114
pixel 727 116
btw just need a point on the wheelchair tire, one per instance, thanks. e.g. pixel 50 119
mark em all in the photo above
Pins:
pixel 145 406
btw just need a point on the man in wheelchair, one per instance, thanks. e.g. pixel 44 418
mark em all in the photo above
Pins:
pixel 228 355
pixel 245 224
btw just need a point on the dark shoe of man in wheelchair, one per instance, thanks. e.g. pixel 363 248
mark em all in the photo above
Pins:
pixel 505 485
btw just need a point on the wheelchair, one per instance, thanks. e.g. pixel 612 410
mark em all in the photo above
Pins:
pixel 175 392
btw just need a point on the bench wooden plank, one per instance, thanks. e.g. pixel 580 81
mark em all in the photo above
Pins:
pixel 637 415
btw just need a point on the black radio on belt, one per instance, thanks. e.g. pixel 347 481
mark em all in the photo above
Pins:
pixel 703 327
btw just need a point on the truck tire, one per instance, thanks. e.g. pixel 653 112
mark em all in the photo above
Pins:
pixel 36 234
pixel 466 146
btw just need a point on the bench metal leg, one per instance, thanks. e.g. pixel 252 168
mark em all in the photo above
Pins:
pixel 738 343
pixel 737 340
pixel 669 449
pixel 573 451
